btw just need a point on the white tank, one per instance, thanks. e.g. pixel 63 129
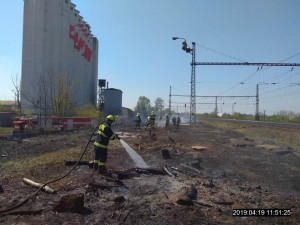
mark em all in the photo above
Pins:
pixel 112 101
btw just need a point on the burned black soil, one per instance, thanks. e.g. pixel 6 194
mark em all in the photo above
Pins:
pixel 227 170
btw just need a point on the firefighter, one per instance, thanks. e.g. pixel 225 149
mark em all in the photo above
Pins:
pixel 148 122
pixel 177 122
pixel 167 120
pixel 104 134
pixel 174 121
pixel 152 119
pixel 137 121
pixel 26 129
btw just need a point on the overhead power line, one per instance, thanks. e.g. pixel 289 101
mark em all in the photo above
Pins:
pixel 221 53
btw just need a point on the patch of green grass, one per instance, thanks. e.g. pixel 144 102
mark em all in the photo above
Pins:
pixel 41 160
pixel 6 131
pixel 272 135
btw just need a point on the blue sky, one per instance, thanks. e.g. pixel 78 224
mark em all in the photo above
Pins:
pixel 138 56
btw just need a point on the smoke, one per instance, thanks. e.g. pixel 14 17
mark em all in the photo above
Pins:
pixel 185 118
pixel 161 123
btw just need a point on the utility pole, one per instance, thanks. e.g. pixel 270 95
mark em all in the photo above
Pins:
pixel 257 104
pixel 193 75
pixel 192 50
pixel 233 107
pixel 193 87
pixel 216 108
pixel 170 102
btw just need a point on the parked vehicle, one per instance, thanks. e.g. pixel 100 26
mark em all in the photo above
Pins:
pixel 34 124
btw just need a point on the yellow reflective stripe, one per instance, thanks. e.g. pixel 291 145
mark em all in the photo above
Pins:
pixel 101 127
pixel 96 161
pixel 112 137
pixel 100 145
pixel 101 163
pixel 101 133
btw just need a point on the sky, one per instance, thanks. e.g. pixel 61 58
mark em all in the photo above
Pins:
pixel 138 56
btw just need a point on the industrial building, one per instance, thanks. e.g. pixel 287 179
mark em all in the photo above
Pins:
pixel 57 42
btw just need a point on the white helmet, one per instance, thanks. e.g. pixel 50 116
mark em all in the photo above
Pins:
pixel 137 114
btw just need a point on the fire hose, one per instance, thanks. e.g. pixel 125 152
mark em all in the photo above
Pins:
pixel 49 182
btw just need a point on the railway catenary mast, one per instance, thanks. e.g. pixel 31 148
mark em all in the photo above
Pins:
pixel 56 41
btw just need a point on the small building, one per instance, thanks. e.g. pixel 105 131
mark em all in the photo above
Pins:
pixel 8 106
pixel 127 112
pixel 6 119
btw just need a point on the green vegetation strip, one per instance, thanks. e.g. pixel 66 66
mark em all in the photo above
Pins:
pixel 269 134
pixel 6 131
pixel 41 160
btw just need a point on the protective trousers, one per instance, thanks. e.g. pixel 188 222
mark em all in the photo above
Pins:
pixel 100 157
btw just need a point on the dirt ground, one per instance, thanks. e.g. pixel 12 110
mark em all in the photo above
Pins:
pixel 227 170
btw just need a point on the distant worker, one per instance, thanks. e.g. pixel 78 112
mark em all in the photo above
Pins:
pixel 26 129
pixel 177 121
pixel 152 118
pixel 104 134
pixel 137 121
pixel 148 122
pixel 160 118
pixel 167 120
pixel 174 121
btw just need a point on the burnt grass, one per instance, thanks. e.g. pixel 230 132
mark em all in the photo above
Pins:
pixel 229 172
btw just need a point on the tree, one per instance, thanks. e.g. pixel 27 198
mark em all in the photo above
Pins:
pixel 89 110
pixel 62 104
pixel 16 92
pixel 143 106
pixel 50 94
pixel 159 105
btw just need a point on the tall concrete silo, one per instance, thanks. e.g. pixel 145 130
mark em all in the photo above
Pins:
pixel 112 101
pixel 56 41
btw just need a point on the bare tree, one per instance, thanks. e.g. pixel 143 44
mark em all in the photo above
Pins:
pixel 51 95
pixel 16 91
pixel 62 103
pixel 159 105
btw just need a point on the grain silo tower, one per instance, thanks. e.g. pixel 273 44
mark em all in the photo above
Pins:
pixel 57 42
pixel 112 101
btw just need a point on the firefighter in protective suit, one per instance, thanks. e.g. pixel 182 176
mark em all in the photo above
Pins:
pixel 137 121
pixel 177 122
pixel 167 120
pixel 148 122
pixel 104 135
pixel 152 119
pixel 174 121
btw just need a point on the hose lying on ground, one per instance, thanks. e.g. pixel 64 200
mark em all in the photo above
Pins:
pixel 49 182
